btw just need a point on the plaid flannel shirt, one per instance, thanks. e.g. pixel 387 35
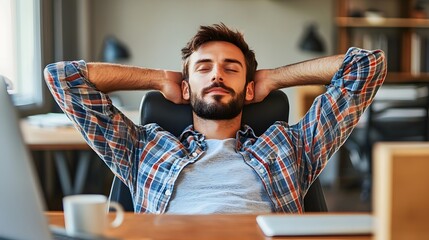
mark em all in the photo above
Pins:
pixel 287 158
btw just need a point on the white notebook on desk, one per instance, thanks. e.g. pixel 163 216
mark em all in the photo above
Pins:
pixel 316 224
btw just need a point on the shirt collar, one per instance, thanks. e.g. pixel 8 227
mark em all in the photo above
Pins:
pixel 190 131
pixel 191 138
pixel 243 136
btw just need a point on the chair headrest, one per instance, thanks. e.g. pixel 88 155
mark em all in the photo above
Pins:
pixel 174 118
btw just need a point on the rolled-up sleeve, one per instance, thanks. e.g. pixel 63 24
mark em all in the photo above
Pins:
pixel 111 134
pixel 334 114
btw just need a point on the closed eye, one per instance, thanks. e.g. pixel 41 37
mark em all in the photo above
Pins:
pixel 203 68
pixel 232 66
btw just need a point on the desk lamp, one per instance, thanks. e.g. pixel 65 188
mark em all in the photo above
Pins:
pixel 114 50
pixel 311 41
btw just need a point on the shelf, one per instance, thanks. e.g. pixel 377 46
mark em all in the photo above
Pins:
pixel 404 39
pixel 382 22
pixel 406 78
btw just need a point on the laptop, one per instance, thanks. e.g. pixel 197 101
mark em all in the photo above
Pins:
pixel 316 224
pixel 21 202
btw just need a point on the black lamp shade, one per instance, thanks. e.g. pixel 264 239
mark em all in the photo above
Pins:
pixel 114 50
pixel 311 41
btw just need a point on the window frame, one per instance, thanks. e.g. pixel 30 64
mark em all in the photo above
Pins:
pixel 40 102
pixel 27 35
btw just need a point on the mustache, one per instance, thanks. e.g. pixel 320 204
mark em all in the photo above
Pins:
pixel 218 85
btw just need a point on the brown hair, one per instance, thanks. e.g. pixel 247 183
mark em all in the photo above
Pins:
pixel 219 32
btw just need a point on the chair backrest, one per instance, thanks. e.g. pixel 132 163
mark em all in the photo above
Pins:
pixel 175 118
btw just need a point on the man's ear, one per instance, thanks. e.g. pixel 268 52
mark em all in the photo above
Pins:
pixel 185 90
pixel 250 91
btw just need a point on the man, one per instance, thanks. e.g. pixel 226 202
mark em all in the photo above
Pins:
pixel 217 165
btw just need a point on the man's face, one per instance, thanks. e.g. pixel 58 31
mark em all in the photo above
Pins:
pixel 217 86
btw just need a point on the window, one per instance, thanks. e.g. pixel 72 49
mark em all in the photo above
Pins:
pixel 20 48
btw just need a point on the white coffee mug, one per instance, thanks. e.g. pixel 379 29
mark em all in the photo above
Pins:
pixel 87 213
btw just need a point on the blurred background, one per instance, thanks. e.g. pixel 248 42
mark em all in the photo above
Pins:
pixel 150 33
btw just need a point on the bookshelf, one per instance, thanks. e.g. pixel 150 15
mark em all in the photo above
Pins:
pixel 399 27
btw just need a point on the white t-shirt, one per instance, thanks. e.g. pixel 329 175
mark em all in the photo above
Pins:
pixel 219 182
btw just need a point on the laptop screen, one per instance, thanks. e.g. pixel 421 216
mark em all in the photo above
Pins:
pixel 21 204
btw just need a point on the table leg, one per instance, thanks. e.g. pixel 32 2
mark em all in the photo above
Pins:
pixel 82 171
pixel 64 172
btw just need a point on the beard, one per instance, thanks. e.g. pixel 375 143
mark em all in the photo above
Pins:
pixel 217 110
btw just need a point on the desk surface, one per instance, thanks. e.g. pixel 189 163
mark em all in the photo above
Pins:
pixel 52 138
pixel 58 138
pixel 147 226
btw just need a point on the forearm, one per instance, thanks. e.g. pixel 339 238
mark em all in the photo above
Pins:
pixel 312 72
pixel 113 77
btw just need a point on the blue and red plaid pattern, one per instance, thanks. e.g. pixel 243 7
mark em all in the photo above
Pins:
pixel 286 157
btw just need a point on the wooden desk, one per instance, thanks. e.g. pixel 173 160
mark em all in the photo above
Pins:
pixel 216 227
pixel 52 138
pixel 58 140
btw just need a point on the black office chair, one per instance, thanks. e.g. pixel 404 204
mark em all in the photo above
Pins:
pixel 156 109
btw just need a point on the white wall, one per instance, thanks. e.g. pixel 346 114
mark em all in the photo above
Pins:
pixel 155 30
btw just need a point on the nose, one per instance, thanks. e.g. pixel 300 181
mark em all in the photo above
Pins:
pixel 217 74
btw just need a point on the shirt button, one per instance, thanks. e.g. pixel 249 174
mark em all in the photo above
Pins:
pixel 194 154
pixel 261 170
pixel 168 192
